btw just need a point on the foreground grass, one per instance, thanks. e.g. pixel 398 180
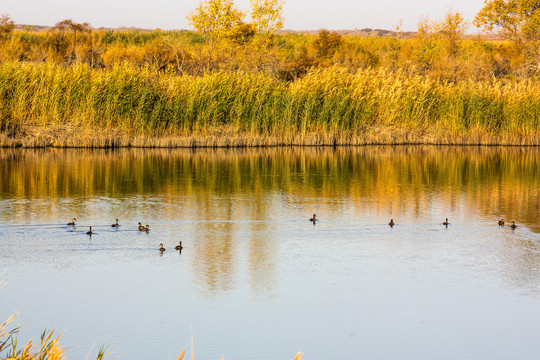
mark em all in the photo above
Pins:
pixel 48 347
pixel 49 105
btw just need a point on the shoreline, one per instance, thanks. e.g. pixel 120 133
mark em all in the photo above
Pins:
pixel 224 137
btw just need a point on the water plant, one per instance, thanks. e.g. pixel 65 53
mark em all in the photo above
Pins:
pixel 337 106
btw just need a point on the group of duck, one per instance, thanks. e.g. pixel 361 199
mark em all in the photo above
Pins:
pixel 313 220
pixel 140 228
pixel 445 223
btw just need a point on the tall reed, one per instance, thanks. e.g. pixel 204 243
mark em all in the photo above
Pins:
pixel 326 101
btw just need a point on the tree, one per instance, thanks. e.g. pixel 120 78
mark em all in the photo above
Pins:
pixel 6 25
pixel 70 25
pixel 452 27
pixel 216 18
pixel 327 43
pixel 267 15
pixel 518 20
pixel 242 33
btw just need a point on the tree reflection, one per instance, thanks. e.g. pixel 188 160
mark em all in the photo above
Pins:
pixel 232 191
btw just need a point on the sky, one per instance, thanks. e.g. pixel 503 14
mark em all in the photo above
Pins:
pixel 299 14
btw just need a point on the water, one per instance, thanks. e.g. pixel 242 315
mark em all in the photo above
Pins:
pixel 256 280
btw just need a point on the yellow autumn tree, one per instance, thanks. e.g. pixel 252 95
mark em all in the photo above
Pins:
pixel 267 15
pixel 518 20
pixel 453 27
pixel 216 18
pixel 6 25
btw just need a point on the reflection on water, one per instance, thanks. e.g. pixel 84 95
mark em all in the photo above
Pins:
pixel 395 181
pixel 240 184
pixel 242 216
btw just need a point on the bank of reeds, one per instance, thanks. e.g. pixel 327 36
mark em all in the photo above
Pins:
pixel 50 105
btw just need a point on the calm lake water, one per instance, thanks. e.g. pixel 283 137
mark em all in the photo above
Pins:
pixel 256 280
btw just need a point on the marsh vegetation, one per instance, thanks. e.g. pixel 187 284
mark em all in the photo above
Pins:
pixel 232 83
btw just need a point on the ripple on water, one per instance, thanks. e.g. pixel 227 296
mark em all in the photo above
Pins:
pixel 256 279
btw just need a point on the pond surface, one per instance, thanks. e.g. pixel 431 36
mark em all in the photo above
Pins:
pixel 256 279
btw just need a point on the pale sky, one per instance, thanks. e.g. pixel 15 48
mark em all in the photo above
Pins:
pixel 299 14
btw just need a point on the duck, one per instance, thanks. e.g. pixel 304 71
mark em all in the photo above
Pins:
pixel 513 226
pixel 161 248
pixel 313 219
pixel 147 228
pixel 179 246
pixel 501 222
pixel 89 232
pixel 72 223
pixel 115 225
pixel 391 223
pixel 446 223
pixel 141 228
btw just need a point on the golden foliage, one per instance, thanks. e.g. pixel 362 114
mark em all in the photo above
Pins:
pixel 267 15
pixel 6 25
pixel 517 20
pixel 216 17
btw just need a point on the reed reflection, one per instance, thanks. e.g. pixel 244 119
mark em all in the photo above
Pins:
pixel 498 181
pixel 215 262
pixel 228 192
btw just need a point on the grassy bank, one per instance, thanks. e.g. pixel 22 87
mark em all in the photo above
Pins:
pixel 50 105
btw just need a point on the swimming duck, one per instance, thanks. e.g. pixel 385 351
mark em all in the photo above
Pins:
pixel 161 248
pixel 501 222
pixel 179 246
pixel 115 225
pixel 141 228
pixel 513 226
pixel 391 223
pixel 446 223
pixel 89 232
pixel 144 228
pixel 313 219
pixel 72 223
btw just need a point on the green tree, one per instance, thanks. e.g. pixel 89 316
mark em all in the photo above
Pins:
pixel 267 15
pixel 518 20
pixel 216 18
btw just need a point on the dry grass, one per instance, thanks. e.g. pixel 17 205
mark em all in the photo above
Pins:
pixel 80 137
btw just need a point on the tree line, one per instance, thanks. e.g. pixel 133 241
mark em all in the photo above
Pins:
pixel 224 40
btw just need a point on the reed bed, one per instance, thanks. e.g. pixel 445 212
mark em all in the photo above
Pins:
pixel 77 106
